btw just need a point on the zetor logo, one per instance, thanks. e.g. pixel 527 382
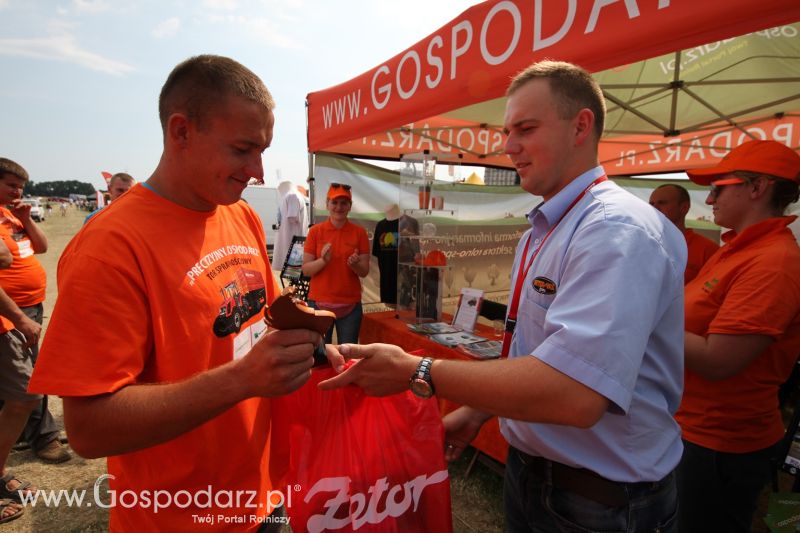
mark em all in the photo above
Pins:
pixel 544 285
pixel 363 510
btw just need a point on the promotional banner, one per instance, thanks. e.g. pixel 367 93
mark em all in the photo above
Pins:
pixel 487 224
pixel 459 71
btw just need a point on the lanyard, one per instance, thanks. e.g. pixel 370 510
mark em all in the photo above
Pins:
pixel 511 320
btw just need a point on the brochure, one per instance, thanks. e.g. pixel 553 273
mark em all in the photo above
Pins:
pixel 454 339
pixel 469 305
pixel 432 328
pixel 481 350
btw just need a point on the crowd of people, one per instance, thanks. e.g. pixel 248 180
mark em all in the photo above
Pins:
pixel 637 393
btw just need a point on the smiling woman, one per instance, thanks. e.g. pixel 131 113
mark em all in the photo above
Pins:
pixel 336 256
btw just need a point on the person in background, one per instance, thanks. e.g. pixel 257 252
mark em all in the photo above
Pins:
pixel 336 257
pixel 117 186
pixel 175 402
pixel 674 202
pixel 594 333
pixel 24 284
pixel 742 338
pixel 292 221
pixel 385 244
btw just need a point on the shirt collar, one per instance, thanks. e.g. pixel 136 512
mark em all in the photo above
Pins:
pixel 555 207
pixel 755 232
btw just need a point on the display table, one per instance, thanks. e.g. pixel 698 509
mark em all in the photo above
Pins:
pixel 384 327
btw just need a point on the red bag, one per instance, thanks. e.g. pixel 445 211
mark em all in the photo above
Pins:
pixel 360 463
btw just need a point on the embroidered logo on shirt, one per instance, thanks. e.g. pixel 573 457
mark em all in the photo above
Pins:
pixel 709 286
pixel 544 285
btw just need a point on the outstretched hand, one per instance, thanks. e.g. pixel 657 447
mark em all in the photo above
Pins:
pixel 382 369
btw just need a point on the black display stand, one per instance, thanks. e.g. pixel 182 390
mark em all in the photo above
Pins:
pixel 292 271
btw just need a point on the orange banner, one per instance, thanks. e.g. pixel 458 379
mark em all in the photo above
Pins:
pixel 471 59
pixel 644 154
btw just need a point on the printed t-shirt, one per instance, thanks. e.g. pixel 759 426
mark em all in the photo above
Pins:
pixel 336 283
pixel 700 249
pixel 25 280
pixel 751 286
pixel 151 292
pixel 384 247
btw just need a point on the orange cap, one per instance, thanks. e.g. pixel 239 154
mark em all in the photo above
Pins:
pixel 338 190
pixel 763 157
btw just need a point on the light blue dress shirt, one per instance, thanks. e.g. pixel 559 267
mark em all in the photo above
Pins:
pixel 614 323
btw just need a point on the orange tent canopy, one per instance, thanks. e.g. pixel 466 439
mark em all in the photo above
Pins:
pixel 680 92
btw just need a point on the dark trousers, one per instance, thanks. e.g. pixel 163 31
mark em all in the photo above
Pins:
pixel 347 327
pixel 719 491
pixel 535 504
pixel 41 428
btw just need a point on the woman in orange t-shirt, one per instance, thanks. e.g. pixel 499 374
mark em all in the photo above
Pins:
pixel 336 257
pixel 742 338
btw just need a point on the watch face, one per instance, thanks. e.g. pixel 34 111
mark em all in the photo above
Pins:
pixel 421 388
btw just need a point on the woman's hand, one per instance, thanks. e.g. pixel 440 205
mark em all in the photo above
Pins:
pixel 325 253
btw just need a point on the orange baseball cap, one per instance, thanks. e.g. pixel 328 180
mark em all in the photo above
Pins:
pixel 764 157
pixel 339 190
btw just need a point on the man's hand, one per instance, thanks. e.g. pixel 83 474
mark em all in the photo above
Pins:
pixel 460 428
pixel 335 358
pixel 30 328
pixel 383 369
pixel 279 363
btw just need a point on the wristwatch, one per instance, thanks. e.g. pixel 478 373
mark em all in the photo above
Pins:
pixel 421 383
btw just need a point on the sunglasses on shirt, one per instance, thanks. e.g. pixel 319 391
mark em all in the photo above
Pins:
pixel 340 186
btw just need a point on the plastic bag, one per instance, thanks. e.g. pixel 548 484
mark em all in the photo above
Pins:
pixel 359 463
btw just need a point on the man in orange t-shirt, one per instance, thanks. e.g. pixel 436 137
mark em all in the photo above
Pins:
pixel 336 257
pixel 742 338
pixel 674 202
pixel 176 390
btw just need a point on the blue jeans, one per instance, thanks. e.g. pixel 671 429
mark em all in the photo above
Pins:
pixel 347 327
pixel 533 504
pixel 719 491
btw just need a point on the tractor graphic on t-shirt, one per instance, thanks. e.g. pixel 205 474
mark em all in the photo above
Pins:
pixel 242 298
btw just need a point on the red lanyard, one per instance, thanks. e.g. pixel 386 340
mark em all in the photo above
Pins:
pixel 511 320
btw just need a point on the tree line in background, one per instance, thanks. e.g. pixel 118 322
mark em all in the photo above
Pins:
pixel 58 188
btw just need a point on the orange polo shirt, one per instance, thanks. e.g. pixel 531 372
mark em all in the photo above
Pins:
pixel 336 283
pixel 700 250
pixel 751 286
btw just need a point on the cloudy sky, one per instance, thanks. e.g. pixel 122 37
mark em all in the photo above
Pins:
pixel 80 78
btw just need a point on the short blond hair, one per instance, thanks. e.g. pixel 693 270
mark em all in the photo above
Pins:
pixel 198 85
pixel 8 166
pixel 573 87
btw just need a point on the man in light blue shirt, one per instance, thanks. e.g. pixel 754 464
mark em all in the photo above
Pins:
pixel 595 345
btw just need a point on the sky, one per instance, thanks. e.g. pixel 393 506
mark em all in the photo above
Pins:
pixel 81 78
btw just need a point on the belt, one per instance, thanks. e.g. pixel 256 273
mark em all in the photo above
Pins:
pixel 580 481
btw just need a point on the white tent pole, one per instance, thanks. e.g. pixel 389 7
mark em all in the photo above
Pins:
pixel 310 180
pixel 311 188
